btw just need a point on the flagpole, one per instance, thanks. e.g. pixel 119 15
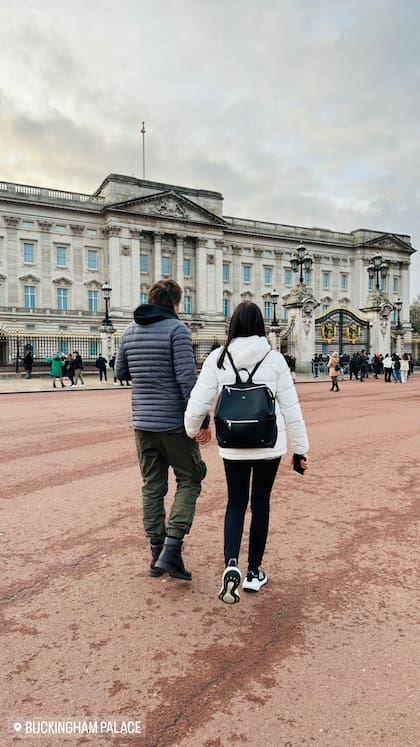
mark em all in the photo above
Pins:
pixel 143 132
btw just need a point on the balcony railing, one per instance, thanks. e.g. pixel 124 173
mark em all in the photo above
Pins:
pixel 52 194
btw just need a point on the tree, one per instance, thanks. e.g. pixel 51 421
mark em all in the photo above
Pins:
pixel 415 315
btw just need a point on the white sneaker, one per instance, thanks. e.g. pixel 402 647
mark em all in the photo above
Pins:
pixel 254 581
pixel 231 580
pixel 81 384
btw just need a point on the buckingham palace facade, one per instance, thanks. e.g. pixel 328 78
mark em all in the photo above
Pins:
pixel 58 248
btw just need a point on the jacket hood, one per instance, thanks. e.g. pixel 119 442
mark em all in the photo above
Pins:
pixel 247 351
pixel 150 313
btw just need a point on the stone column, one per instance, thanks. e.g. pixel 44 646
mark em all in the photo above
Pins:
pixel 378 310
pixel 135 235
pixel 302 304
pixel 78 300
pixel 236 276
pixel 258 276
pixel 14 259
pixel 112 272
pixel 219 246
pixel 179 273
pixel 201 275
pixel 157 257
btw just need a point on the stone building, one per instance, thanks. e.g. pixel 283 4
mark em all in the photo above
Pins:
pixel 57 248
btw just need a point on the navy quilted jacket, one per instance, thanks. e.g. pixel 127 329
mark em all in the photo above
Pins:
pixel 156 350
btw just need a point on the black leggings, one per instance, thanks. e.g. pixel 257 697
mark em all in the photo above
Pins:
pixel 238 478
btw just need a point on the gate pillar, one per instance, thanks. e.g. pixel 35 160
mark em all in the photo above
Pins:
pixel 379 311
pixel 301 304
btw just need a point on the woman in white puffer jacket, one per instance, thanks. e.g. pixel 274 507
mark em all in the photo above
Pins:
pixel 247 345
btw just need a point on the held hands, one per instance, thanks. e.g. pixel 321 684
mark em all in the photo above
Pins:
pixel 203 436
pixel 299 463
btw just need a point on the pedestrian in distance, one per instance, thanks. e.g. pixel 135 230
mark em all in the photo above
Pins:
pixel 101 366
pixel 363 365
pixel 333 371
pixel 156 351
pixel 56 368
pixel 404 368
pixel 315 365
pixel 396 368
pixel 354 366
pixel 68 368
pixel 250 472
pixel 78 368
pixel 28 362
pixel 387 367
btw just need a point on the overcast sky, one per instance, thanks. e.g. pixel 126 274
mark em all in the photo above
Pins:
pixel 304 112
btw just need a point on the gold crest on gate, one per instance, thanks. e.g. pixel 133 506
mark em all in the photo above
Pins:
pixel 329 332
pixel 352 333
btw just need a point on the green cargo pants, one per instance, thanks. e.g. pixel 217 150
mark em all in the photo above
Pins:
pixel 157 452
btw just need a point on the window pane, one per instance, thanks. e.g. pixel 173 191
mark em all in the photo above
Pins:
pixel 166 266
pixel 225 271
pixel 61 256
pixel 93 348
pixel 62 295
pixel 343 282
pixel 267 275
pixel 325 280
pixel 247 273
pixel 92 259
pixel 267 310
pixel 143 297
pixel 187 268
pixel 226 306
pixel 307 277
pixel 144 263
pixel 29 296
pixel 187 304
pixel 93 300
pixel 28 253
pixel 395 284
pixel 370 284
pixel 287 277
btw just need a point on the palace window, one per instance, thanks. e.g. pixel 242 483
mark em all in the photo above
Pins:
pixel 61 229
pixel 143 297
pixel 92 257
pixel 30 327
pixel 93 300
pixel 370 284
pixel 395 284
pixel 268 274
pixel 307 278
pixel 62 299
pixel 343 282
pixel 29 296
pixel 28 253
pixel 144 263
pixel 285 314
pixel 166 265
pixel 61 256
pixel 267 310
pixel 226 272
pixel 187 304
pixel 325 280
pixel 93 348
pixel 226 308
pixel 91 231
pixel 287 277
pixel 247 273
pixel 187 268
pixel 27 224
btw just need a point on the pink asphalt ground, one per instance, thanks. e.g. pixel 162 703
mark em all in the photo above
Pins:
pixel 326 655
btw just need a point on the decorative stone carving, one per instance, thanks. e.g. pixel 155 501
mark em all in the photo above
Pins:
pixel 170 207
pixel 202 242
pixel 219 244
pixel 135 233
pixel 126 250
pixel 111 231
pixel 11 221
pixel 77 229
pixel 236 250
pixel 258 252
pixel 278 253
pixel 2 278
pixel 62 281
pixel 247 295
pixel 210 259
pixel 30 278
pixel 335 260
pixel 92 284
pixel 45 225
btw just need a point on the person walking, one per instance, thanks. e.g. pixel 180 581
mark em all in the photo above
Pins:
pixel 354 366
pixel 250 472
pixel 387 366
pixel 78 368
pixel 68 368
pixel 405 367
pixel 364 365
pixel 396 368
pixel 56 368
pixel 101 366
pixel 156 351
pixel 28 362
pixel 315 365
pixel 333 371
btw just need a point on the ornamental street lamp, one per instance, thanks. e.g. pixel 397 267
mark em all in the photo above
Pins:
pixel 301 260
pixel 106 292
pixel 274 299
pixel 399 328
pixel 378 267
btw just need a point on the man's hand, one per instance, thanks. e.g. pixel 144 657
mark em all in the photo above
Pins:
pixel 203 436
pixel 299 465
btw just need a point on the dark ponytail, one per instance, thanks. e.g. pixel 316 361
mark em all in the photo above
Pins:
pixel 247 320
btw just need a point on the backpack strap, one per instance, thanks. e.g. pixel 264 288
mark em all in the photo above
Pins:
pixel 250 375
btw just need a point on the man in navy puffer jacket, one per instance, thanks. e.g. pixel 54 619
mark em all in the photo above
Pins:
pixel 156 351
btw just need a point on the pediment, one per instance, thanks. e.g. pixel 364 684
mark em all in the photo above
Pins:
pixel 389 241
pixel 169 205
pixel 29 278
pixel 62 281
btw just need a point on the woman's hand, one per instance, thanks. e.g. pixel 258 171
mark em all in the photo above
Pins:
pixel 203 436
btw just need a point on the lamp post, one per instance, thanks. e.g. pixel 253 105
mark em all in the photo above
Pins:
pixel 301 260
pixel 399 329
pixel 378 267
pixel 106 292
pixel 274 299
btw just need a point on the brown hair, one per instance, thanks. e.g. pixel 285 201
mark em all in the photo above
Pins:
pixel 166 293
pixel 247 320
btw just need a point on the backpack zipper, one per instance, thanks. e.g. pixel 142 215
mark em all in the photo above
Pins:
pixel 229 422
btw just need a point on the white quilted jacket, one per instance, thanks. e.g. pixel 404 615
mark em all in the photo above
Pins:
pixel 274 371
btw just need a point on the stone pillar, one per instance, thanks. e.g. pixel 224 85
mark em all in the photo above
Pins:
pixel 135 235
pixel 180 260
pixel 78 300
pixel 14 259
pixel 378 310
pixel 201 275
pixel 157 257
pixel 236 276
pixel 108 346
pixel 258 276
pixel 112 272
pixel 301 304
pixel 219 246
